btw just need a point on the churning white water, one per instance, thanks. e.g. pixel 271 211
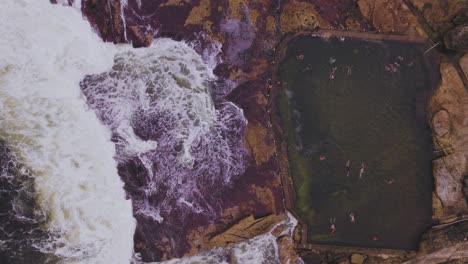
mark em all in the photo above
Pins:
pixel 159 103
pixel 45 50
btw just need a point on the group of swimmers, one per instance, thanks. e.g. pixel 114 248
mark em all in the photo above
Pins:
pixel 361 170
pixel 352 219
pixel 348 169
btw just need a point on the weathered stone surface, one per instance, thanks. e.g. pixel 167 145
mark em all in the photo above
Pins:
pixel 390 16
pixel 199 13
pixel 441 122
pixel 298 15
pixel 439 13
pixel 286 250
pixel 450 102
pixel 443 244
pixel 245 229
pixel 457 38
pixel 465 187
pixel 260 142
pixel 357 258
pixel 464 64
pixel 141 35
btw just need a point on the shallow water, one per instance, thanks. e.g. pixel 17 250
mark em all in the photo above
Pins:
pixel 364 102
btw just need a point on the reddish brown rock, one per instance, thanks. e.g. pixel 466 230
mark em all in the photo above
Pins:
pixel 260 141
pixel 244 229
pixel 298 15
pixel 464 64
pixel 390 16
pixel 441 122
pixel 450 124
pixel 141 36
pixel 457 38
pixel 199 13
pixel 287 250
pixel 439 13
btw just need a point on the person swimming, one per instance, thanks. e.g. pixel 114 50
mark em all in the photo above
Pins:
pixel 352 218
pixel 391 181
pixel 361 171
pixel 348 168
pixel 332 225
pixel 322 157
pixel 331 76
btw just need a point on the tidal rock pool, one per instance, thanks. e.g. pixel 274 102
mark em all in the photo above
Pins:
pixel 359 145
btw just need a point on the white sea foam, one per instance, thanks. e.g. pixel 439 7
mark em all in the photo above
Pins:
pixel 45 50
pixel 159 103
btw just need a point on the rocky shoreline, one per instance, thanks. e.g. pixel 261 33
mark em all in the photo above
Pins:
pixel 250 33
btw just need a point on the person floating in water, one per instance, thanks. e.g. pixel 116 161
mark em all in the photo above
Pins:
pixel 331 76
pixel 332 225
pixel 300 57
pixel 375 238
pixel 352 218
pixel 349 70
pixel 391 181
pixel 322 157
pixel 348 168
pixel 361 171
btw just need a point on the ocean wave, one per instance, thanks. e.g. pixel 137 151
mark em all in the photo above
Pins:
pixel 167 119
pixel 44 120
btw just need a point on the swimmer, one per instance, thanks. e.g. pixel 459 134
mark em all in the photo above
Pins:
pixel 348 168
pixel 349 70
pixel 332 73
pixel 300 57
pixel 332 225
pixel 322 157
pixel 375 238
pixel 352 218
pixel 391 181
pixel 361 171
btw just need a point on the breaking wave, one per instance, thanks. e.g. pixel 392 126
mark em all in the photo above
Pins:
pixel 169 118
pixel 158 109
pixel 62 152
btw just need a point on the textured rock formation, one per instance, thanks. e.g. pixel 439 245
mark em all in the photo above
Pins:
pixel 439 13
pixel 246 228
pixel 449 106
pixel 444 244
pixel 286 250
pixel 464 64
pixel 298 15
pixel 357 258
pixel 457 38
pixel 390 16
